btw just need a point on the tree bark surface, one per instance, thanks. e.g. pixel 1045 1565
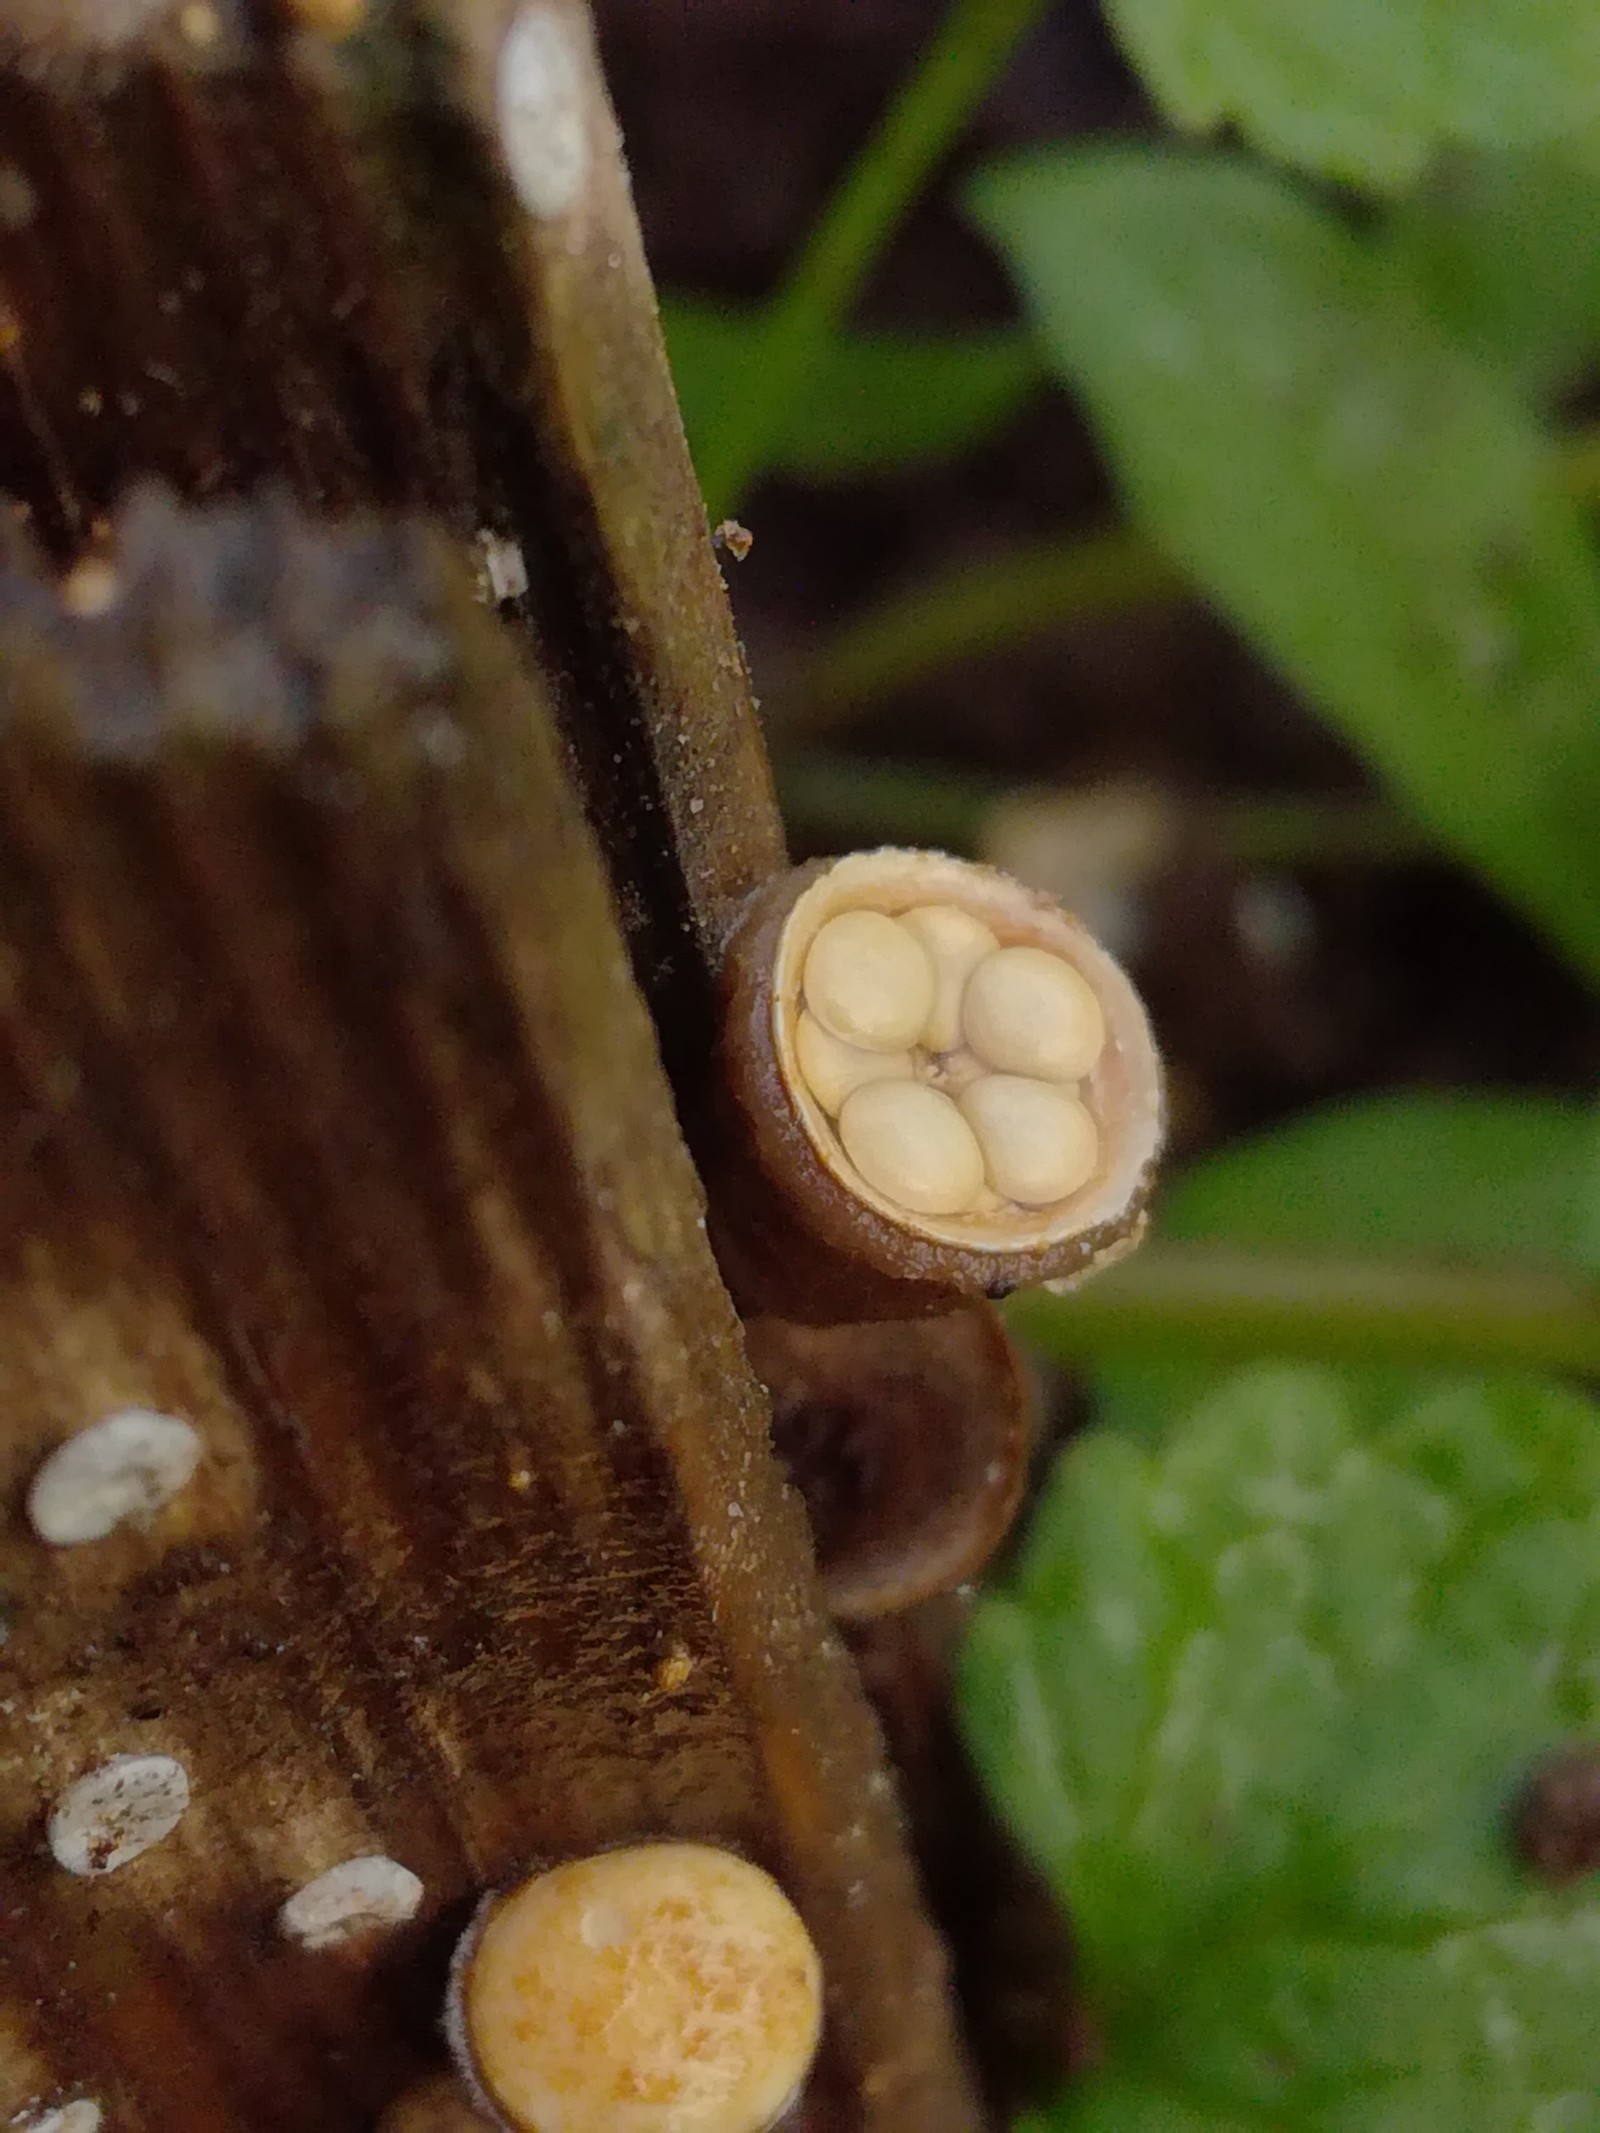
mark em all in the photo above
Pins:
pixel 342 941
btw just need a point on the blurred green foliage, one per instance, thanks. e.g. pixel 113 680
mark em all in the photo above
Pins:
pixel 1456 1181
pixel 1366 499
pixel 871 403
pixel 1371 90
pixel 1283 1643
pixel 1258 1703
pixel 1501 252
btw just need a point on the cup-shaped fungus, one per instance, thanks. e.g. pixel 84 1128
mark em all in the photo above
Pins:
pixel 660 1988
pixel 909 1442
pixel 940 1086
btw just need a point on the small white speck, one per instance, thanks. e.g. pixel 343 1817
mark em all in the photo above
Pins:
pixel 697 807
pixel 603 1925
pixel 734 1511
pixel 502 569
pixel 118 1811
pixel 993 1472
pixel 442 742
pixel 543 126
pixel 82 2115
pixel 123 1467
pixel 356 1897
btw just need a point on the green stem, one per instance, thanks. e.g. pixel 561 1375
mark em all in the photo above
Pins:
pixel 846 800
pixel 976 607
pixel 1215 1303
pixel 973 44
pixel 1002 600
pixel 837 801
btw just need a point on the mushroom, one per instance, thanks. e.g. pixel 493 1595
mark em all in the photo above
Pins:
pixel 660 1988
pixel 937 1085
pixel 909 1443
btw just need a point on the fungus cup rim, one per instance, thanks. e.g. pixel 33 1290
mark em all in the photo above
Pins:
pixel 795 1145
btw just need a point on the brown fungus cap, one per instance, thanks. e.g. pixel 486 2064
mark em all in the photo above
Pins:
pixel 909 1442
pixel 1012 1140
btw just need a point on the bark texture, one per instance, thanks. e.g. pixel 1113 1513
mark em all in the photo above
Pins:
pixel 335 1121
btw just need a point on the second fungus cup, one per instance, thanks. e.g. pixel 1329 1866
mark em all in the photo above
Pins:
pixel 909 1441
pixel 660 1988
pixel 940 1085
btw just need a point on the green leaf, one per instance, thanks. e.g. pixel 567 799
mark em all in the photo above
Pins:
pixel 1466 1180
pixel 1369 90
pixel 874 401
pixel 1258 1702
pixel 1501 250
pixel 1365 499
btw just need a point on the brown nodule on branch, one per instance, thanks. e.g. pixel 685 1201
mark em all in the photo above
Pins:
pixel 935 1084
pixel 1556 1820
pixel 909 1442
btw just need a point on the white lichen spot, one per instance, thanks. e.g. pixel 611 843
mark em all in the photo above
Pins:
pixel 125 1466
pixel 118 1811
pixel 441 742
pixel 501 572
pixel 82 2115
pixel 543 125
pixel 360 1896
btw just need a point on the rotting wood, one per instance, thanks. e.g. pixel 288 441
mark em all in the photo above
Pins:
pixel 234 251
pixel 337 1130
pixel 237 255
